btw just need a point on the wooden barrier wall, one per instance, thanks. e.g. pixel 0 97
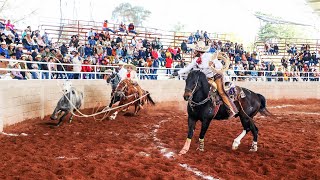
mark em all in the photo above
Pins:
pixel 21 100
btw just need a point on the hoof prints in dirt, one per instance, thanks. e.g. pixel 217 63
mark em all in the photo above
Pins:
pixel 288 147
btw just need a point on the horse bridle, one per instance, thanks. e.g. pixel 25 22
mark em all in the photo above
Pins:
pixel 123 91
pixel 191 103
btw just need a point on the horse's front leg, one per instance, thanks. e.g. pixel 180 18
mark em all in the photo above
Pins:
pixel 204 127
pixel 191 126
pixel 114 115
pixel 136 108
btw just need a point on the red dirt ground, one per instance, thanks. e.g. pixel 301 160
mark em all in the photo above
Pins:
pixel 129 147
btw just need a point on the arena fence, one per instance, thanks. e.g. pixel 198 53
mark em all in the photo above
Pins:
pixel 150 73
pixel 22 100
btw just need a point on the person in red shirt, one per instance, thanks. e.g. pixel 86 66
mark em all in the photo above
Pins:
pixel 131 28
pixel 154 53
pixel 86 69
pixel 105 27
pixel 168 61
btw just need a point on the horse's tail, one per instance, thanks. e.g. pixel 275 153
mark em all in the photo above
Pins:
pixel 149 99
pixel 263 108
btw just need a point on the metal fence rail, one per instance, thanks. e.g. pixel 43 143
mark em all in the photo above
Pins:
pixel 150 73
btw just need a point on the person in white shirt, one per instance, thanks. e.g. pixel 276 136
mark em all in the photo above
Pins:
pixel 7 31
pixel 132 75
pixel 210 65
pixel 76 65
pixel 90 33
pixel 122 71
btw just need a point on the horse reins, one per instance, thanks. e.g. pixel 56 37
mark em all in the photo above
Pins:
pixel 193 104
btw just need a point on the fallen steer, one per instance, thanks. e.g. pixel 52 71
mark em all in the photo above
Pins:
pixel 69 102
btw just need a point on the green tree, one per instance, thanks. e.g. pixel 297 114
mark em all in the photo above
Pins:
pixel 276 27
pixel 178 27
pixel 127 13
pixel 269 30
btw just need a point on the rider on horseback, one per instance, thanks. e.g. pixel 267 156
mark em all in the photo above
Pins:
pixel 132 75
pixel 211 66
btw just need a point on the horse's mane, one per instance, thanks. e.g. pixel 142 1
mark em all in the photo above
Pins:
pixel 201 75
pixel 202 78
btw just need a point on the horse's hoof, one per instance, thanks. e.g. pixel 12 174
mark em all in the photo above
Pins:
pixel 254 147
pixel 253 150
pixel 53 118
pixel 182 152
pixel 235 145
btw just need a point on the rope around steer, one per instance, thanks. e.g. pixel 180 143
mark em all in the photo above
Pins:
pixel 103 111
pixel 94 114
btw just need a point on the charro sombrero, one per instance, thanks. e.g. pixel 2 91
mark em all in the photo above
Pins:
pixel 126 66
pixel 13 63
pixel 200 46
pixel 121 63
pixel 108 71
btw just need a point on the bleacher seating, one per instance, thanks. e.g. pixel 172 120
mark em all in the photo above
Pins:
pixel 282 42
pixel 63 31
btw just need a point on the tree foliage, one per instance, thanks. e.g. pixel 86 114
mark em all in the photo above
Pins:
pixel 127 13
pixel 272 29
pixel 178 27
pixel 269 30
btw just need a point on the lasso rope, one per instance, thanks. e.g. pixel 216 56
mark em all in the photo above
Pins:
pixel 105 110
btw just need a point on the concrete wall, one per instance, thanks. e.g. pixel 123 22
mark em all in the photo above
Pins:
pixel 22 100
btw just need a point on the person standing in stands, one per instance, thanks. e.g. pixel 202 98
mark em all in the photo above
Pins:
pixel 168 61
pixel 77 65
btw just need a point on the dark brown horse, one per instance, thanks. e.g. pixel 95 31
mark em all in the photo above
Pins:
pixel 202 107
pixel 128 93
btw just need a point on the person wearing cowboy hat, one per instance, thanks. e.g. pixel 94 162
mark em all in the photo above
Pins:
pixel 132 75
pixel 16 74
pixel 4 49
pixel 205 63
pixel 19 51
pixel 122 71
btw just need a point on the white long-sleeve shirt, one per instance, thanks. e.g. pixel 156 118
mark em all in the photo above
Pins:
pixel 203 66
pixel 122 73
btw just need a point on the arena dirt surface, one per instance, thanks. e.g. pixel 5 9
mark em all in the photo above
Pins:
pixel 130 147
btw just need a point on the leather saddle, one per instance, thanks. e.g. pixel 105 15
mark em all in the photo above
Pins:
pixel 233 92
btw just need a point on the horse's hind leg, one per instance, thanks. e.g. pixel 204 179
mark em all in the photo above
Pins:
pixel 246 128
pixel 204 128
pixel 254 130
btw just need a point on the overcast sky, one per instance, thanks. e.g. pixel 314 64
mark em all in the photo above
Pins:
pixel 224 16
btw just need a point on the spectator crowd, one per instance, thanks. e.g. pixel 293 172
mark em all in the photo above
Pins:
pixel 110 46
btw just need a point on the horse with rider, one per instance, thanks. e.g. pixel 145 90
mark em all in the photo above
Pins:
pixel 126 90
pixel 207 98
